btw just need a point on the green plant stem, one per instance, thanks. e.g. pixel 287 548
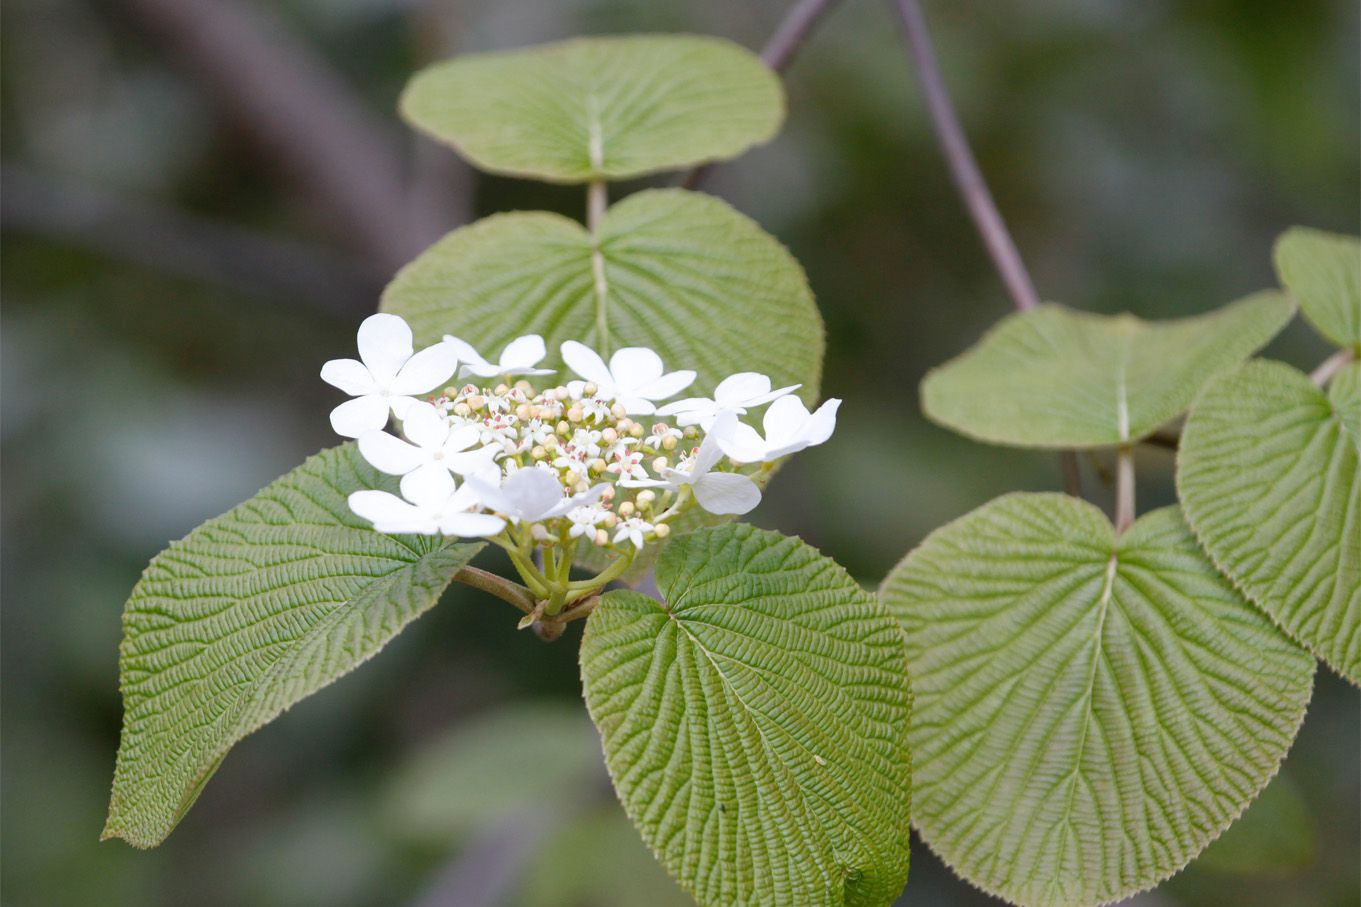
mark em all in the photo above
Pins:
pixel 1124 488
pixel 502 588
pixel 1330 366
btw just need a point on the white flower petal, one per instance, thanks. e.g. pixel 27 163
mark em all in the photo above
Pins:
pixel 587 363
pixel 533 492
pixel 743 444
pixel 426 370
pixel 490 495
pixel 634 366
pixel 652 483
pixel 389 513
pixel 709 453
pixel 822 423
pixel 784 421
pixel 464 351
pixel 461 437
pixel 727 493
pixel 666 385
pixel 773 395
pixel 390 454
pixel 688 405
pixel 362 414
pixel 400 405
pixel 425 426
pixel 428 487
pixel 523 352
pixel 384 345
pixel 735 390
pixel 587 497
pixel 471 525
pixel 478 462
pixel 350 375
pixel 637 406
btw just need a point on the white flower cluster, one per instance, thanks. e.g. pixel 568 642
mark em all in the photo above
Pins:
pixel 557 465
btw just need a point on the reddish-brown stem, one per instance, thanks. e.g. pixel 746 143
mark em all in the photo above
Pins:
pixel 502 588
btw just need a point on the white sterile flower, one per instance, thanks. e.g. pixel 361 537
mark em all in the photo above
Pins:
pixel 432 444
pixel 387 376
pixel 518 358
pixel 532 495
pixel 431 504
pixel 585 520
pixel 633 529
pixel 635 376
pixel 716 492
pixel 733 394
pixel 789 426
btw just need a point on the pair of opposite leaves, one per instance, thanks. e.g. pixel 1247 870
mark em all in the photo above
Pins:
pixel 1092 710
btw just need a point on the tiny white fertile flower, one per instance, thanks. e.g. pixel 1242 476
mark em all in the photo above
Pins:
pixel 431 504
pixel 733 394
pixel 585 520
pixel 386 377
pixel 531 495
pixel 519 357
pixel 660 432
pixel 635 376
pixel 789 427
pixel 432 444
pixel 633 529
pixel 716 492
pixel 628 464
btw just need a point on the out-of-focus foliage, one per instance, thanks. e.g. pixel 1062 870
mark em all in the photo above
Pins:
pixel 1146 155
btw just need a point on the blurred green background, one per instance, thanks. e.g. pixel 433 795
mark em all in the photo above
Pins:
pixel 201 198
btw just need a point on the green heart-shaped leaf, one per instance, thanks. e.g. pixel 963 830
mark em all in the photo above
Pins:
pixel 755 723
pixel 1268 472
pixel 680 272
pixel 249 613
pixel 1089 711
pixel 599 108
pixel 1323 272
pixel 1057 378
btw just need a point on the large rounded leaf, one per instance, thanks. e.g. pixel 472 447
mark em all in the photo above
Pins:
pixel 1323 272
pixel 755 723
pixel 249 613
pixel 681 272
pixel 1090 712
pixel 1270 477
pixel 599 108
pixel 1058 378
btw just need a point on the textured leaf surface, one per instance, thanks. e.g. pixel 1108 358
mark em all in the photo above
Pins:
pixel 1269 476
pixel 682 273
pixel 599 108
pixel 249 613
pixel 1089 713
pixel 1058 378
pixel 1323 272
pixel 755 725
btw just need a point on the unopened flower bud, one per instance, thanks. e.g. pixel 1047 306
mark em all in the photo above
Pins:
pixel 661 530
pixel 617 410
pixel 564 427
pixel 476 401
pixel 523 411
pixel 609 436
pixel 575 414
pixel 602 537
pixel 524 386
pixel 611 520
pixel 607 495
pixel 596 465
pixel 538 532
pixel 646 497
pixel 660 463
pixel 502 389
pixel 538 453
pixel 626 509
pixel 691 432
pixel 571 478
pixel 590 389
pixel 636 430
pixel 669 442
pixel 463 409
